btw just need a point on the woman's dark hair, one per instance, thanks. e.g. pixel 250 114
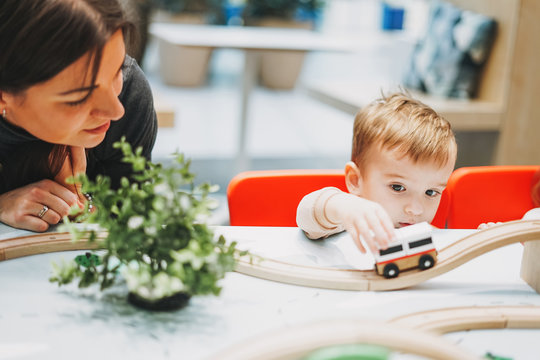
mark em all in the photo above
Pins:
pixel 39 39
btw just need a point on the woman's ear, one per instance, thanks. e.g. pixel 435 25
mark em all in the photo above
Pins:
pixel 2 100
pixel 353 178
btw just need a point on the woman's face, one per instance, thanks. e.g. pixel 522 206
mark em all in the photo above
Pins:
pixel 61 111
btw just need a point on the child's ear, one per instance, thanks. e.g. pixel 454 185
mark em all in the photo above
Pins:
pixel 353 178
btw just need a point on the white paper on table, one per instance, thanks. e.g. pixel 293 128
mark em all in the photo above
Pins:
pixel 336 251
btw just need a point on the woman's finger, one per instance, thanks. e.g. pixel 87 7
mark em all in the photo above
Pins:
pixel 32 223
pixel 74 164
pixel 65 199
pixel 49 215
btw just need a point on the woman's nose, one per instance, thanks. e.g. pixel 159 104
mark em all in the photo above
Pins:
pixel 108 105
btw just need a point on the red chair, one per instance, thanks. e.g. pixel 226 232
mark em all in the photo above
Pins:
pixel 489 193
pixel 270 197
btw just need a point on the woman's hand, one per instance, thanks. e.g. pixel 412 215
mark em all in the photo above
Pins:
pixel 37 206
pixel 361 218
pixel 74 164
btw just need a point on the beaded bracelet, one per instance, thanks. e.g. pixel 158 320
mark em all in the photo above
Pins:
pixel 90 202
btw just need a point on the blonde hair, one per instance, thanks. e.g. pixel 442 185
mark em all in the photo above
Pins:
pixel 405 124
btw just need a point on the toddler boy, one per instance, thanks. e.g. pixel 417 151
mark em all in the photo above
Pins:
pixel 403 153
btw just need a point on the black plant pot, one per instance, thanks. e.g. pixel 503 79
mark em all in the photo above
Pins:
pixel 169 303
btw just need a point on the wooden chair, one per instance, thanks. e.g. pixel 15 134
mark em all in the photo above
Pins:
pixel 489 194
pixel 270 197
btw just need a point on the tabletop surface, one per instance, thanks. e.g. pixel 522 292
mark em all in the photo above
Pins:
pixel 266 38
pixel 39 319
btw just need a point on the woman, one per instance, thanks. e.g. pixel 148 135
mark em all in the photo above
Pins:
pixel 68 91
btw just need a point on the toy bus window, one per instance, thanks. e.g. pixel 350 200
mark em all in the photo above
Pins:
pixel 414 244
pixel 391 250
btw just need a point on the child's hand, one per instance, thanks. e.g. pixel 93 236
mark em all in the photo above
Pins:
pixel 488 225
pixel 361 217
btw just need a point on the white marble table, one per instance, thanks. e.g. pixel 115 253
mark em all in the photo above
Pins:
pixel 40 320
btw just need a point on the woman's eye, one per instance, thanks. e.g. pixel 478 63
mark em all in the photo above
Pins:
pixel 432 193
pixel 78 102
pixel 397 188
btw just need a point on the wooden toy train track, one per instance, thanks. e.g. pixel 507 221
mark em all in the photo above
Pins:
pixel 416 333
pixel 449 258
pixel 42 243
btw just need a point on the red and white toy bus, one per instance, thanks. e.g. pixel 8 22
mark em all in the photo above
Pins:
pixel 413 248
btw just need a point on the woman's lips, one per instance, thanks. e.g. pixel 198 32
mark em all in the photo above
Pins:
pixel 100 129
pixel 402 224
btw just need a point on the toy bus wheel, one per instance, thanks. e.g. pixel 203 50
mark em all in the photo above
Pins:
pixel 390 271
pixel 426 261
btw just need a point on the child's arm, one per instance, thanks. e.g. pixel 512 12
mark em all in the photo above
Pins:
pixel 330 210
pixel 310 216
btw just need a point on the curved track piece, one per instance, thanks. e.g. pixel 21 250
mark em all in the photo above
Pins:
pixel 442 321
pixel 413 333
pixel 42 243
pixel 297 342
pixel 449 258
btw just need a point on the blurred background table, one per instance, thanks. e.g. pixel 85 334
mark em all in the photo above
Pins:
pixel 253 41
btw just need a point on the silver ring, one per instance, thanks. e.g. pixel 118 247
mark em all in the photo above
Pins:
pixel 42 212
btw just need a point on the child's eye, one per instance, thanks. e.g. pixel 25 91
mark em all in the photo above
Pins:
pixel 432 193
pixel 397 187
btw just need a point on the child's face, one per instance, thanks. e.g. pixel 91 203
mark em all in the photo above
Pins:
pixel 410 192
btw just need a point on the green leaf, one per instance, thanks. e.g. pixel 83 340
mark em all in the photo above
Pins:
pixel 155 223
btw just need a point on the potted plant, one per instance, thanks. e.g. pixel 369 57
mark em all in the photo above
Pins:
pixel 156 236
pixel 280 69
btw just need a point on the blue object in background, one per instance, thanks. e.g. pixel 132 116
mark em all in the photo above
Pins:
pixel 392 17
pixel 233 14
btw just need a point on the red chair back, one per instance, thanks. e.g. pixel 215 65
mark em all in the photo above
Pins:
pixel 489 194
pixel 270 197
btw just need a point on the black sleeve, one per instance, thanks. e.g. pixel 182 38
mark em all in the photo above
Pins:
pixel 138 125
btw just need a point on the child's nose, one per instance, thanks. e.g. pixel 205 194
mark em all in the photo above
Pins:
pixel 414 208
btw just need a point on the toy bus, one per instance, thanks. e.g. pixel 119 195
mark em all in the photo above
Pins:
pixel 413 248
